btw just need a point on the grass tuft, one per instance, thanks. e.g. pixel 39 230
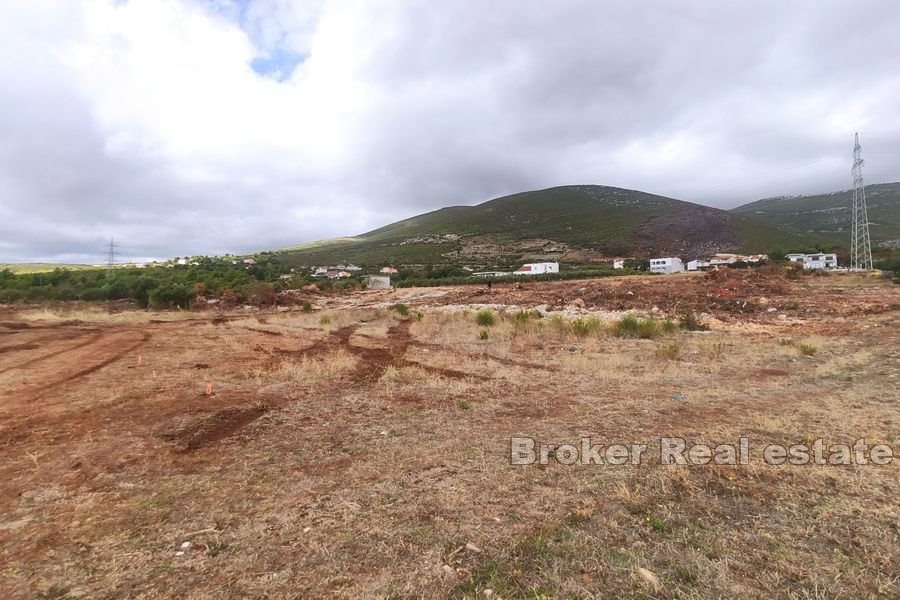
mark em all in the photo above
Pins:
pixel 485 317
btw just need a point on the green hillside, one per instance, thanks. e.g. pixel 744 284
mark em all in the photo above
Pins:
pixel 572 223
pixel 827 216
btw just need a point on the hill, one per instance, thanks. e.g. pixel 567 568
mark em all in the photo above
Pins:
pixel 576 223
pixel 826 217
pixel 42 267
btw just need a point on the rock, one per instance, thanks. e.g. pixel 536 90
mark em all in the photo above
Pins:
pixel 763 300
pixel 488 593
pixel 578 302
pixel 772 309
pixel 472 547
pixel 310 288
pixel 185 545
pixel 307 529
pixel 678 397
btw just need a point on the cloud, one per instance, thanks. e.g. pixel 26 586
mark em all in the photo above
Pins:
pixel 208 126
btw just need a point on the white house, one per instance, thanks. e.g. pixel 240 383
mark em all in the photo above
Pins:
pixel 817 260
pixel 618 263
pixel 537 268
pixel 696 265
pixel 671 264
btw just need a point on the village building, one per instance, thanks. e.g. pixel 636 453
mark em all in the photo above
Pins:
pixel 388 271
pixel 696 265
pixel 667 265
pixel 537 268
pixel 815 260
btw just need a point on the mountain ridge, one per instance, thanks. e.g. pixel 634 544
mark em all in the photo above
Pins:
pixel 577 223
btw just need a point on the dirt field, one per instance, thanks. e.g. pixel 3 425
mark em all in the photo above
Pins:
pixel 355 452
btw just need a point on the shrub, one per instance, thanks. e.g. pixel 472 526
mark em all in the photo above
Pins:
pixel 524 316
pixel 808 349
pixel 668 351
pixel 12 296
pixel 324 320
pixel 419 316
pixel 632 327
pixel 485 317
pixel 690 322
pixel 669 326
pixel 648 328
pixel 464 405
pixel 483 334
pixel 585 327
pixel 401 309
pixel 627 326
pixel 171 295
pixel 306 306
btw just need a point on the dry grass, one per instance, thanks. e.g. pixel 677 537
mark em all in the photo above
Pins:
pixel 379 466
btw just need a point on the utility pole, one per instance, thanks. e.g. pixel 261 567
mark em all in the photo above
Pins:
pixel 860 243
pixel 110 259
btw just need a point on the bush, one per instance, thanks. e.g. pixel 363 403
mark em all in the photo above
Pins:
pixel 632 327
pixel 171 295
pixel 401 309
pixel 12 296
pixel 485 317
pixel 306 306
pixel 483 334
pixel 93 294
pixel 627 326
pixel 808 349
pixel 648 328
pixel 324 320
pixel 669 326
pixel 585 327
pixel 524 316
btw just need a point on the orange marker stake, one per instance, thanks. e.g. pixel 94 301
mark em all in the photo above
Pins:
pixel 140 360
pixel 209 389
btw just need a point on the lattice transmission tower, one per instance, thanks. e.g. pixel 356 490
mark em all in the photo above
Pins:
pixel 110 258
pixel 860 242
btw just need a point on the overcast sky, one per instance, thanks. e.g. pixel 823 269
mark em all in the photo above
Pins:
pixel 212 126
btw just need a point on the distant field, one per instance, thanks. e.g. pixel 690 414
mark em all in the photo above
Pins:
pixel 42 267
pixel 360 448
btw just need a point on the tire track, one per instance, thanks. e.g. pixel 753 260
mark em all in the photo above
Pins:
pixel 41 392
pixel 28 363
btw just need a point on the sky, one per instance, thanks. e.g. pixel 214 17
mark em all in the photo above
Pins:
pixel 185 127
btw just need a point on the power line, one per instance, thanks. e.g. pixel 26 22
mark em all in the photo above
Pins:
pixel 860 243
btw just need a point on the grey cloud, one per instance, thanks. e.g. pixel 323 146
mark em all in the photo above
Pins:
pixel 471 100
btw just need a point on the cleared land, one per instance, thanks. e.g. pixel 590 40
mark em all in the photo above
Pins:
pixel 356 452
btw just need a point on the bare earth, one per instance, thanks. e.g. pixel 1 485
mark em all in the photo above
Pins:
pixel 352 452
